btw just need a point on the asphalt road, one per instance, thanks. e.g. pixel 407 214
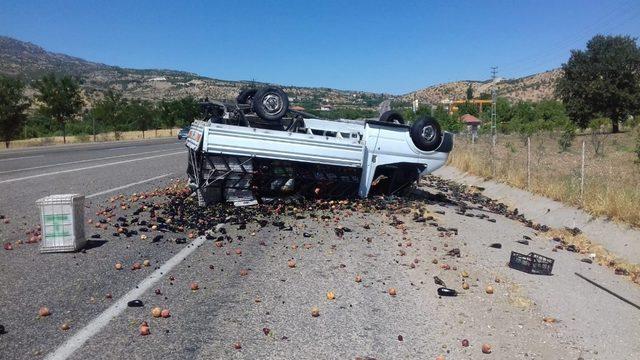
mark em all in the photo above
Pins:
pixel 69 281
pixel 252 305
pixel 29 174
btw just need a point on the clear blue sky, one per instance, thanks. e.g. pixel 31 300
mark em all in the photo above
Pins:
pixel 381 46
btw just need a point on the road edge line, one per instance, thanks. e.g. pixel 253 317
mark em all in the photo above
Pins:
pixel 94 326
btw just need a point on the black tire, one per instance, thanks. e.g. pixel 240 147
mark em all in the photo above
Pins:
pixel 426 134
pixel 270 103
pixel 392 117
pixel 246 96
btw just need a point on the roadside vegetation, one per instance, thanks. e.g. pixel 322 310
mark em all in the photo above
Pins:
pixel 58 109
pixel 600 107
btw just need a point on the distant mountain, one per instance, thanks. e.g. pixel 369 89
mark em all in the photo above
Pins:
pixel 29 61
pixel 536 87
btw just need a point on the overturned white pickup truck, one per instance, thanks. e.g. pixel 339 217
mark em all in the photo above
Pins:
pixel 257 149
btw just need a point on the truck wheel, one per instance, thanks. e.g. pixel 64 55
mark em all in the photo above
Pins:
pixel 270 103
pixel 426 134
pixel 246 96
pixel 392 117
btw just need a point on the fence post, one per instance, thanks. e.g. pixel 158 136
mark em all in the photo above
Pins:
pixel 528 163
pixel 582 176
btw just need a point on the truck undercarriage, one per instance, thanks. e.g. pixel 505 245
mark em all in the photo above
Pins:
pixel 241 154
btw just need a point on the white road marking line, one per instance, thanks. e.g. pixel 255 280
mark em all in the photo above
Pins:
pixel 126 186
pixel 88 167
pixel 31 150
pixel 82 161
pixel 22 157
pixel 92 328
pixel 122 147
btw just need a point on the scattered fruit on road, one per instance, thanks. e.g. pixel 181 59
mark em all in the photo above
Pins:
pixel 315 312
pixel 486 349
pixel 144 329
pixel 194 286
pixel 156 312
pixel 44 311
pixel 331 295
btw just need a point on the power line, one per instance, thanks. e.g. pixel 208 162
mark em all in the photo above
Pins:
pixel 609 22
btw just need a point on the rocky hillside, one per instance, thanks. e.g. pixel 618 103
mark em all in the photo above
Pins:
pixel 531 88
pixel 29 61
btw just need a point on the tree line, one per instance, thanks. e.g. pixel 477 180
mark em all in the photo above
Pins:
pixel 58 108
pixel 599 90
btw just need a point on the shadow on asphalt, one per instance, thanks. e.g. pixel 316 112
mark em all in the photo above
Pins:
pixel 92 244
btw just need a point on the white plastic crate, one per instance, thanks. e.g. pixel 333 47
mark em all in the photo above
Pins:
pixel 62 219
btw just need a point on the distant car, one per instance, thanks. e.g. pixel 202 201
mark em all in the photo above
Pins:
pixel 184 132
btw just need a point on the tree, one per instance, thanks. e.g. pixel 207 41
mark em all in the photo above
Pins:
pixel 602 81
pixel 448 122
pixel 178 112
pixel 190 109
pixel 13 105
pixel 552 114
pixel 59 99
pixel 468 108
pixel 141 113
pixel 504 115
pixel 111 111
pixel 469 93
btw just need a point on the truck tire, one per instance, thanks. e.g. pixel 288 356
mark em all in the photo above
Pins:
pixel 270 103
pixel 392 117
pixel 426 134
pixel 246 96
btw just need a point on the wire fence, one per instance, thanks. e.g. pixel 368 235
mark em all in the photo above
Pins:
pixel 596 172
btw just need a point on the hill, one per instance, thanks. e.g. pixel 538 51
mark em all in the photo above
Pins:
pixel 29 61
pixel 535 87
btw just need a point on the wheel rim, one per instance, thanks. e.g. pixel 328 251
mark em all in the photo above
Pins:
pixel 429 133
pixel 272 103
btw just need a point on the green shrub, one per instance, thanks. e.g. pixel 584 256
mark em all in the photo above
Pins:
pixel 567 136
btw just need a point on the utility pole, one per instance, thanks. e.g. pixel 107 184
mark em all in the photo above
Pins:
pixel 494 125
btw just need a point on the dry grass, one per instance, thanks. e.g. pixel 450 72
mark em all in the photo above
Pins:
pixel 612 180
pixel 124 136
